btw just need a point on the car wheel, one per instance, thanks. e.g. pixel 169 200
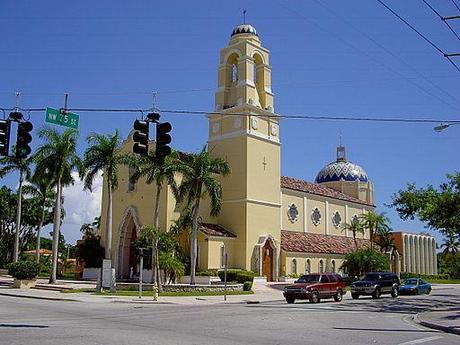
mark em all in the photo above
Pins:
pixel 376 294
pixel 355 295
pixel 394 292
pixel 290 300
pixel 338 296
pixel 314 298
pixel 428 291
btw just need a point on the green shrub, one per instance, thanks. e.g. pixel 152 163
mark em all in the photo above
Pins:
pixel 90 252
pixel 208 273
pixel 24 269
pixel 294 275
pixel 405 275
pixel 361 261
pixel 237 275
pixel 247 286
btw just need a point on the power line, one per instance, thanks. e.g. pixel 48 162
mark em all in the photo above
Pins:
pixel 442 18
pixel 456 5
pixel 420 34
pixel 223 113
pixel 397 58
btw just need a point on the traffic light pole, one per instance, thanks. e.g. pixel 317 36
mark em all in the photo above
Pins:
pixel 18 217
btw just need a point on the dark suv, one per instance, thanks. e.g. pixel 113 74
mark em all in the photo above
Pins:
pixel 316 286
pixel 375 284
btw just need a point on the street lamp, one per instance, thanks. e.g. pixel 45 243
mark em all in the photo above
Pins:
pixel 443 126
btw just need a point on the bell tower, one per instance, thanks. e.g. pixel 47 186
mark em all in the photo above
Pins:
pixel 244 130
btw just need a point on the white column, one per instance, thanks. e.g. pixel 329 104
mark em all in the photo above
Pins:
pixel 427 255
pixel 305 229
pixel 346 219
pixel 406 253
pixel 327 217
pixel 435 258
pixel 420 259
pixel 430 254
pixel 412 254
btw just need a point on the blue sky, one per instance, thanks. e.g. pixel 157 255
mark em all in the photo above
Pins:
pixel 328 58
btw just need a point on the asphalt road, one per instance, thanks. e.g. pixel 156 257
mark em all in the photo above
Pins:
pixel 365 321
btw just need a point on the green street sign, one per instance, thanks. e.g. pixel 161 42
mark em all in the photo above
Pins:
pixel 54 116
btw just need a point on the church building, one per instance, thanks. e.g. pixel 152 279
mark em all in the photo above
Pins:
pixel 271 224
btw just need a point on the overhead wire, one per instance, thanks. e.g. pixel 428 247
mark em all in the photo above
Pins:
pixel 224 113
pixel 420 34
pixel 456 5
pixel 442 18
pixel 375 60
pixel 397 58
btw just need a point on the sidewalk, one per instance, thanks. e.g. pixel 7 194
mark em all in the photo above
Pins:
pixel 50 292
pixel 447 321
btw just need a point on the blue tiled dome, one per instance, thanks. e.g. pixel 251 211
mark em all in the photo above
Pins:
pixel 244 29
pixel 341 170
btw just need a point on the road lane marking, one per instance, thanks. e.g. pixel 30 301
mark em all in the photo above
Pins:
pixel 421 341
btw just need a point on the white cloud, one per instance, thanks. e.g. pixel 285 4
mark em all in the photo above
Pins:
pixel 80 206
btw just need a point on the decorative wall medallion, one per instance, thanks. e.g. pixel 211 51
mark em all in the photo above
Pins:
pixel 336 219
pixel 237 122
pixel 274 130
pixel 215 128
pixel 254 123
pixel 293 213
pixel 316 216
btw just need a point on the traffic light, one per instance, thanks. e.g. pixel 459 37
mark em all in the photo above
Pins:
pixel 163 139
pixel 24 138
pixel 5 126
pixel 141 137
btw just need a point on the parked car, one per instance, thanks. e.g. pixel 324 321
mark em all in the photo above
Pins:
pixel 375 284
pixel 415 286
pixel 314 287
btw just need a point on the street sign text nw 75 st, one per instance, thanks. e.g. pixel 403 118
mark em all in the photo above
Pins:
pixel 67 119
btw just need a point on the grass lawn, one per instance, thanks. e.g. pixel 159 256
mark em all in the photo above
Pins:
pixel 164 294
pixel 444 281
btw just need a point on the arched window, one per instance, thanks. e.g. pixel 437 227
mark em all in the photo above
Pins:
pixel 294 266
pixel 333 266
pixel 234 73
pixel 308 266
pixel 321 266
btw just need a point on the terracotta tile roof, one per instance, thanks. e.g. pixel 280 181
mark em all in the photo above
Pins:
pixel 215 230
pixel 317 189
pixel 295 241
pixel 42 252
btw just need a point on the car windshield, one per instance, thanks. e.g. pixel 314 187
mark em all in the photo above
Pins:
pixel 312 278
pixel 410 282
pixel 372 277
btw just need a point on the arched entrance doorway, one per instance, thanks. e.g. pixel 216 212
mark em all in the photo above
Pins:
pixel 126 258
pixel 267 261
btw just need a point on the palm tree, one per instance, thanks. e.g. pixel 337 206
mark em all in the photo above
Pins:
pixel 451 244
pixel 375 223
pixel 148 167
pixel 41 187
pixel 356 228
pixel 104 154
pixel 58 156
pixel 22 165
pixel 199 179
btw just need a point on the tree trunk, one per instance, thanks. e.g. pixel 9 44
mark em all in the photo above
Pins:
pixel 354 239
pixel 56 231
pixel 37 251
pixel 18 217
pixel 108 230
pixel 156 223
pixel 193 241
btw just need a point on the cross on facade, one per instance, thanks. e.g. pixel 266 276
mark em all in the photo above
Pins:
pixel 264 163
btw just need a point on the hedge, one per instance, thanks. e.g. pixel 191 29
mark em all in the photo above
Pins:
pixel 247 286
pixel 24 269
pixel 405 275
pixel 236 275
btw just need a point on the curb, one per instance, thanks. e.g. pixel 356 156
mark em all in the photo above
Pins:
pixel 447 329
pixel 38 297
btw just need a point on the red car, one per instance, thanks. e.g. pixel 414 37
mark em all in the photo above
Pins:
pixel 314 287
